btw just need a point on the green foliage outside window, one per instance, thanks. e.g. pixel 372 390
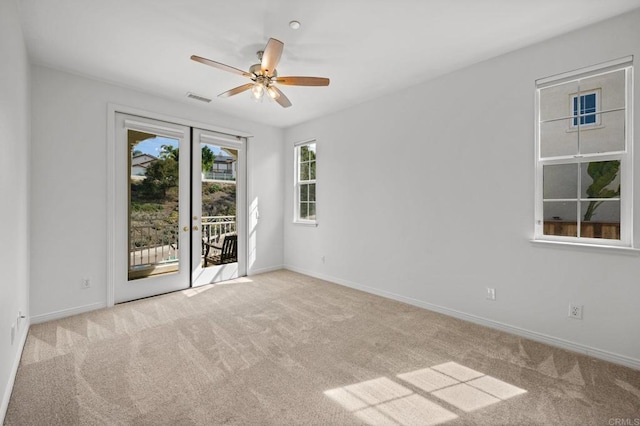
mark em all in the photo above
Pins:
pixel 602 173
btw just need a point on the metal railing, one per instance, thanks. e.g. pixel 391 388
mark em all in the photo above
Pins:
pixel 153 243
pixel 157 242
pixel 213 227
pixel 219 175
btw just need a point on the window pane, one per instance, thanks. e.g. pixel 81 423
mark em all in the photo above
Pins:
pixel 312 151
pixel 558 138
pixel 304 153
pixel 312 192
pixel 312 211
pixel 588 103
pixel 601 219
pixel 304 192
pixel 584 109
pixel 611 87
pixel 560 181
pixel 312 170
pixel 304 210
pixel 555 101
pixel 304 171
pixel 608 136
pixel 560 218
pixel 600 179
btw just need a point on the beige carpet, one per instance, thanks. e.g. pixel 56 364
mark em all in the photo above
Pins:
pixel 285 349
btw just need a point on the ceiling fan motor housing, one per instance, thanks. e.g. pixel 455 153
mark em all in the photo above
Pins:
pixel 256 69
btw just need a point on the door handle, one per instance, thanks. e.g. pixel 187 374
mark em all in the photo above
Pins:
pixel 185 229
pixel 195 228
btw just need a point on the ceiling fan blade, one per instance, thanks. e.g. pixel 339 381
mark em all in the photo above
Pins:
pixel 220 66
pixel 302 81
pixel 235 90
pixel 271 56
pixel 281 98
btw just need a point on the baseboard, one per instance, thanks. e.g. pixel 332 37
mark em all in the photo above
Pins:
pixel 14 371
pixel 37 319
pixel 532 335
pixel 264 270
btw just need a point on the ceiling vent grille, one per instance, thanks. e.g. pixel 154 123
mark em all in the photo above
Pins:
pixel 198 97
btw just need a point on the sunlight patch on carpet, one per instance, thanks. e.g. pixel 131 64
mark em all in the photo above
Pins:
pixel 383 401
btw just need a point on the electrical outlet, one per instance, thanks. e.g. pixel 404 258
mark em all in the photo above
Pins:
pixel 491 293
pixel 86 283
pixel 575 311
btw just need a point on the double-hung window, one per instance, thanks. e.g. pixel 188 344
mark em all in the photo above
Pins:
pixel 583 156
pixel 305 183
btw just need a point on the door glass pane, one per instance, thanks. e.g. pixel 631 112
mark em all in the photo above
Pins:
pixel 219 195
pixel 153 205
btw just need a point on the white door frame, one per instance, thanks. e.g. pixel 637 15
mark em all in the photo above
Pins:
pixel 112 193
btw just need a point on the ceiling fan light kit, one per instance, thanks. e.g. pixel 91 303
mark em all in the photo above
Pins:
pixel 264 75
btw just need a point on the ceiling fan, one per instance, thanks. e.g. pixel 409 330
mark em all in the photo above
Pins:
pixel 264 75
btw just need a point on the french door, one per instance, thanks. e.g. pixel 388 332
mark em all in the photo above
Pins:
pixel 218 183
pixel 180 207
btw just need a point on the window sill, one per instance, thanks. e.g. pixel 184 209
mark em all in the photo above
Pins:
pixel 568 244
pixel 585 127
pixel 309 224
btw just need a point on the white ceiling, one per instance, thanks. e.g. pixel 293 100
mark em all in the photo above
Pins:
pixel 367 48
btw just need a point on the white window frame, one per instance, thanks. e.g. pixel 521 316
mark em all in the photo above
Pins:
pixel 625 156
pixel 297 183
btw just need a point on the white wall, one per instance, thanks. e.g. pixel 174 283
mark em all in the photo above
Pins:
pixel 69 186
pixel 427 196
pixel 14 189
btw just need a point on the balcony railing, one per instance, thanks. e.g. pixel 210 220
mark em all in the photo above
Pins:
pixel 153 243
pixel 156 243
pixel 213 227
pixel 219 175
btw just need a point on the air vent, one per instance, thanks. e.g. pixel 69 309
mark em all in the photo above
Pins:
pixel 198 97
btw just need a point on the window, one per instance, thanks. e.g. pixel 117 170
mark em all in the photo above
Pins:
pixel 584 108
pixel 583 170
pixel 305 197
